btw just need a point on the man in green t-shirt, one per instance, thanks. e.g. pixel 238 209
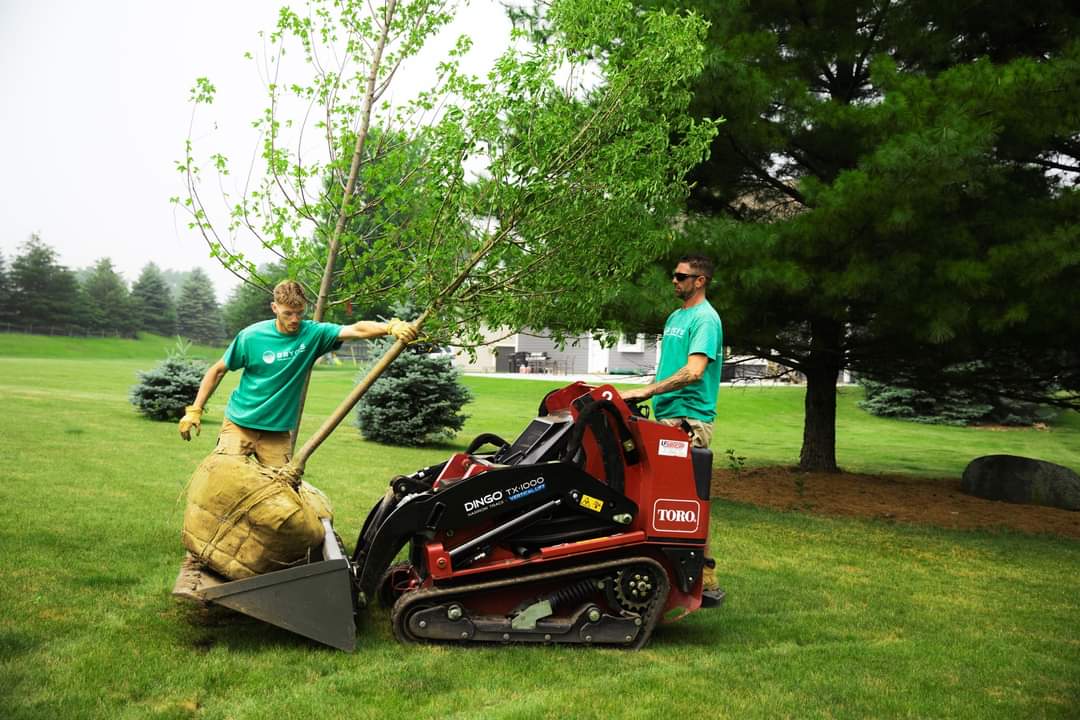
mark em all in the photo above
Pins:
pixel 275 356
pixel 691 355
pixel 688 376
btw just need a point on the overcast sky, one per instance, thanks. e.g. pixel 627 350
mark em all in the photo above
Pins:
pixel 95 114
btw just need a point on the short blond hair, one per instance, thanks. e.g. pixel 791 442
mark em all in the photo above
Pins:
pixel 289 293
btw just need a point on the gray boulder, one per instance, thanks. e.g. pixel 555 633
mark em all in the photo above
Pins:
pixel 1022 480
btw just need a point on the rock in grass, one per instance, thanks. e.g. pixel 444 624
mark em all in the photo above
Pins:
pixel 1022 480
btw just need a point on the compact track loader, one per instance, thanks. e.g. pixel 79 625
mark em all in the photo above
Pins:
pixel 590 528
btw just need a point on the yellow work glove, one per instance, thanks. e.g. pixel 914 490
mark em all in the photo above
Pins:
pixel 401 330
pixel 192 419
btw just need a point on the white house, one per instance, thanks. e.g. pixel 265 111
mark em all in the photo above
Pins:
pixel 536 352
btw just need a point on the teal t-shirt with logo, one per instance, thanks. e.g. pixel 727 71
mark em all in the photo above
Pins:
pixel 275 365
pixel 687 332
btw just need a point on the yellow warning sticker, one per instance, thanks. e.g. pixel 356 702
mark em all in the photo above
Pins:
pixel 591 503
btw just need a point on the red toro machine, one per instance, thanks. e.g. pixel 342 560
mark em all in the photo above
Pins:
pixel 590 527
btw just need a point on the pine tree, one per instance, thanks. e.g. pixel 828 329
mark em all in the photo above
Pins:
pixel 5 282
pixel 108 305
pixel 249 302
pixel 163 392
pixel 153 304
pixel 416 401
pixel 198 314
pixel 44 294
pixel 894 188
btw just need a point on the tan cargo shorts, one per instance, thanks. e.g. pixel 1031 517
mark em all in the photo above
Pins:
pixel 700 432
pixel 269 447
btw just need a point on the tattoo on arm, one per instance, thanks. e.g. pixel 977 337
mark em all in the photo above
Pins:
pixel 680 379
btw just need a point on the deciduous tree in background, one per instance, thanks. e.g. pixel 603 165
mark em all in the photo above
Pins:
pixel 107 306
pixel 154 307
pixel 44 294
pixel 197 310
pixel 542 194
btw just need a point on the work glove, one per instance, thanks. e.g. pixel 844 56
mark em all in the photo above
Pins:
pixel 192 419
pixel 401 330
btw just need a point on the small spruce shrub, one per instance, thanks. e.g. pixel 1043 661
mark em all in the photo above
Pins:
pixel 163 392
pixel 961 404
pixel 416 401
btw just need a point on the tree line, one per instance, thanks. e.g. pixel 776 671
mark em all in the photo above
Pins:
pixel 44 296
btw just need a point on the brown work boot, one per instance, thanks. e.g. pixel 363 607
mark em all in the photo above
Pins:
pixel 711 594
pixel 708 575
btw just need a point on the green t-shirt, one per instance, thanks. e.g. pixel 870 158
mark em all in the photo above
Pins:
pixel 275 365
pixel 688 332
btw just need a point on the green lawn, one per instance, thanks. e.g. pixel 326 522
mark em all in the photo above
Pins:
pixel 825 617
pixel 146 347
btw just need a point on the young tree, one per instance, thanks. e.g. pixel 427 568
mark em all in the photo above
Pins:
pixel 894 188
pixel 108 305
pixel 198 314
pixel 44 294
pixel 153 304
pixel 541 194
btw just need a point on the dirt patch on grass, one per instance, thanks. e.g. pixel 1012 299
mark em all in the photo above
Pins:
pixel 896 498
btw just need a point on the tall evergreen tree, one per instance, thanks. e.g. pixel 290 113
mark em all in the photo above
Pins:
pixel 44 294
pixel 197 310
pixel 249 302
pixel 153 304
pixel 175 279
pixel 895 187
pixel 5 282
pixel 108 306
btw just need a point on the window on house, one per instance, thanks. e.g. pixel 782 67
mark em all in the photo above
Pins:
pixel 632 343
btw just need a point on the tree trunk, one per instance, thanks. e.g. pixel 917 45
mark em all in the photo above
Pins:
pixel 818 452
pixel 350 188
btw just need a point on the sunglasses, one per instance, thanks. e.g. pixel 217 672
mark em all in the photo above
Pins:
pixel 682 276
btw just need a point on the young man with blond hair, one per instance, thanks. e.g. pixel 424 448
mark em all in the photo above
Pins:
pixel 275 356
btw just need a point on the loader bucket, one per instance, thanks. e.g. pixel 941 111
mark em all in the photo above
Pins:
pixel 314 600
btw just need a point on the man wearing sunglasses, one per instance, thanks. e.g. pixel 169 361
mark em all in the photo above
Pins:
pixel 688 376
pixel 275 356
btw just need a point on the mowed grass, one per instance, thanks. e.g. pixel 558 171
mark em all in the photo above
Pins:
pixel 145 347
pixel 825 617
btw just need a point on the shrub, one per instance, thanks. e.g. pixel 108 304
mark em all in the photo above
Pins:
pixel 163 392
pixel 962 403
pixel 417 400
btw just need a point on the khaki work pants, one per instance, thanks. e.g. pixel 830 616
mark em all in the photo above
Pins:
pixel 700 432
pixel 270 448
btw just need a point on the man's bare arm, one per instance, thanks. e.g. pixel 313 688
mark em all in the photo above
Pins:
pixel 688 374
pixel 366 329
pixel 363 330
pixel 209 383
pixel 192 419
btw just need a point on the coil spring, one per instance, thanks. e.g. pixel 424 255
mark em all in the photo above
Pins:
pixel 572 593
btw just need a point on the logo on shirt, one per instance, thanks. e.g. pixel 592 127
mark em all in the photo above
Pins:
pixel 270 356
pixel 674 332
